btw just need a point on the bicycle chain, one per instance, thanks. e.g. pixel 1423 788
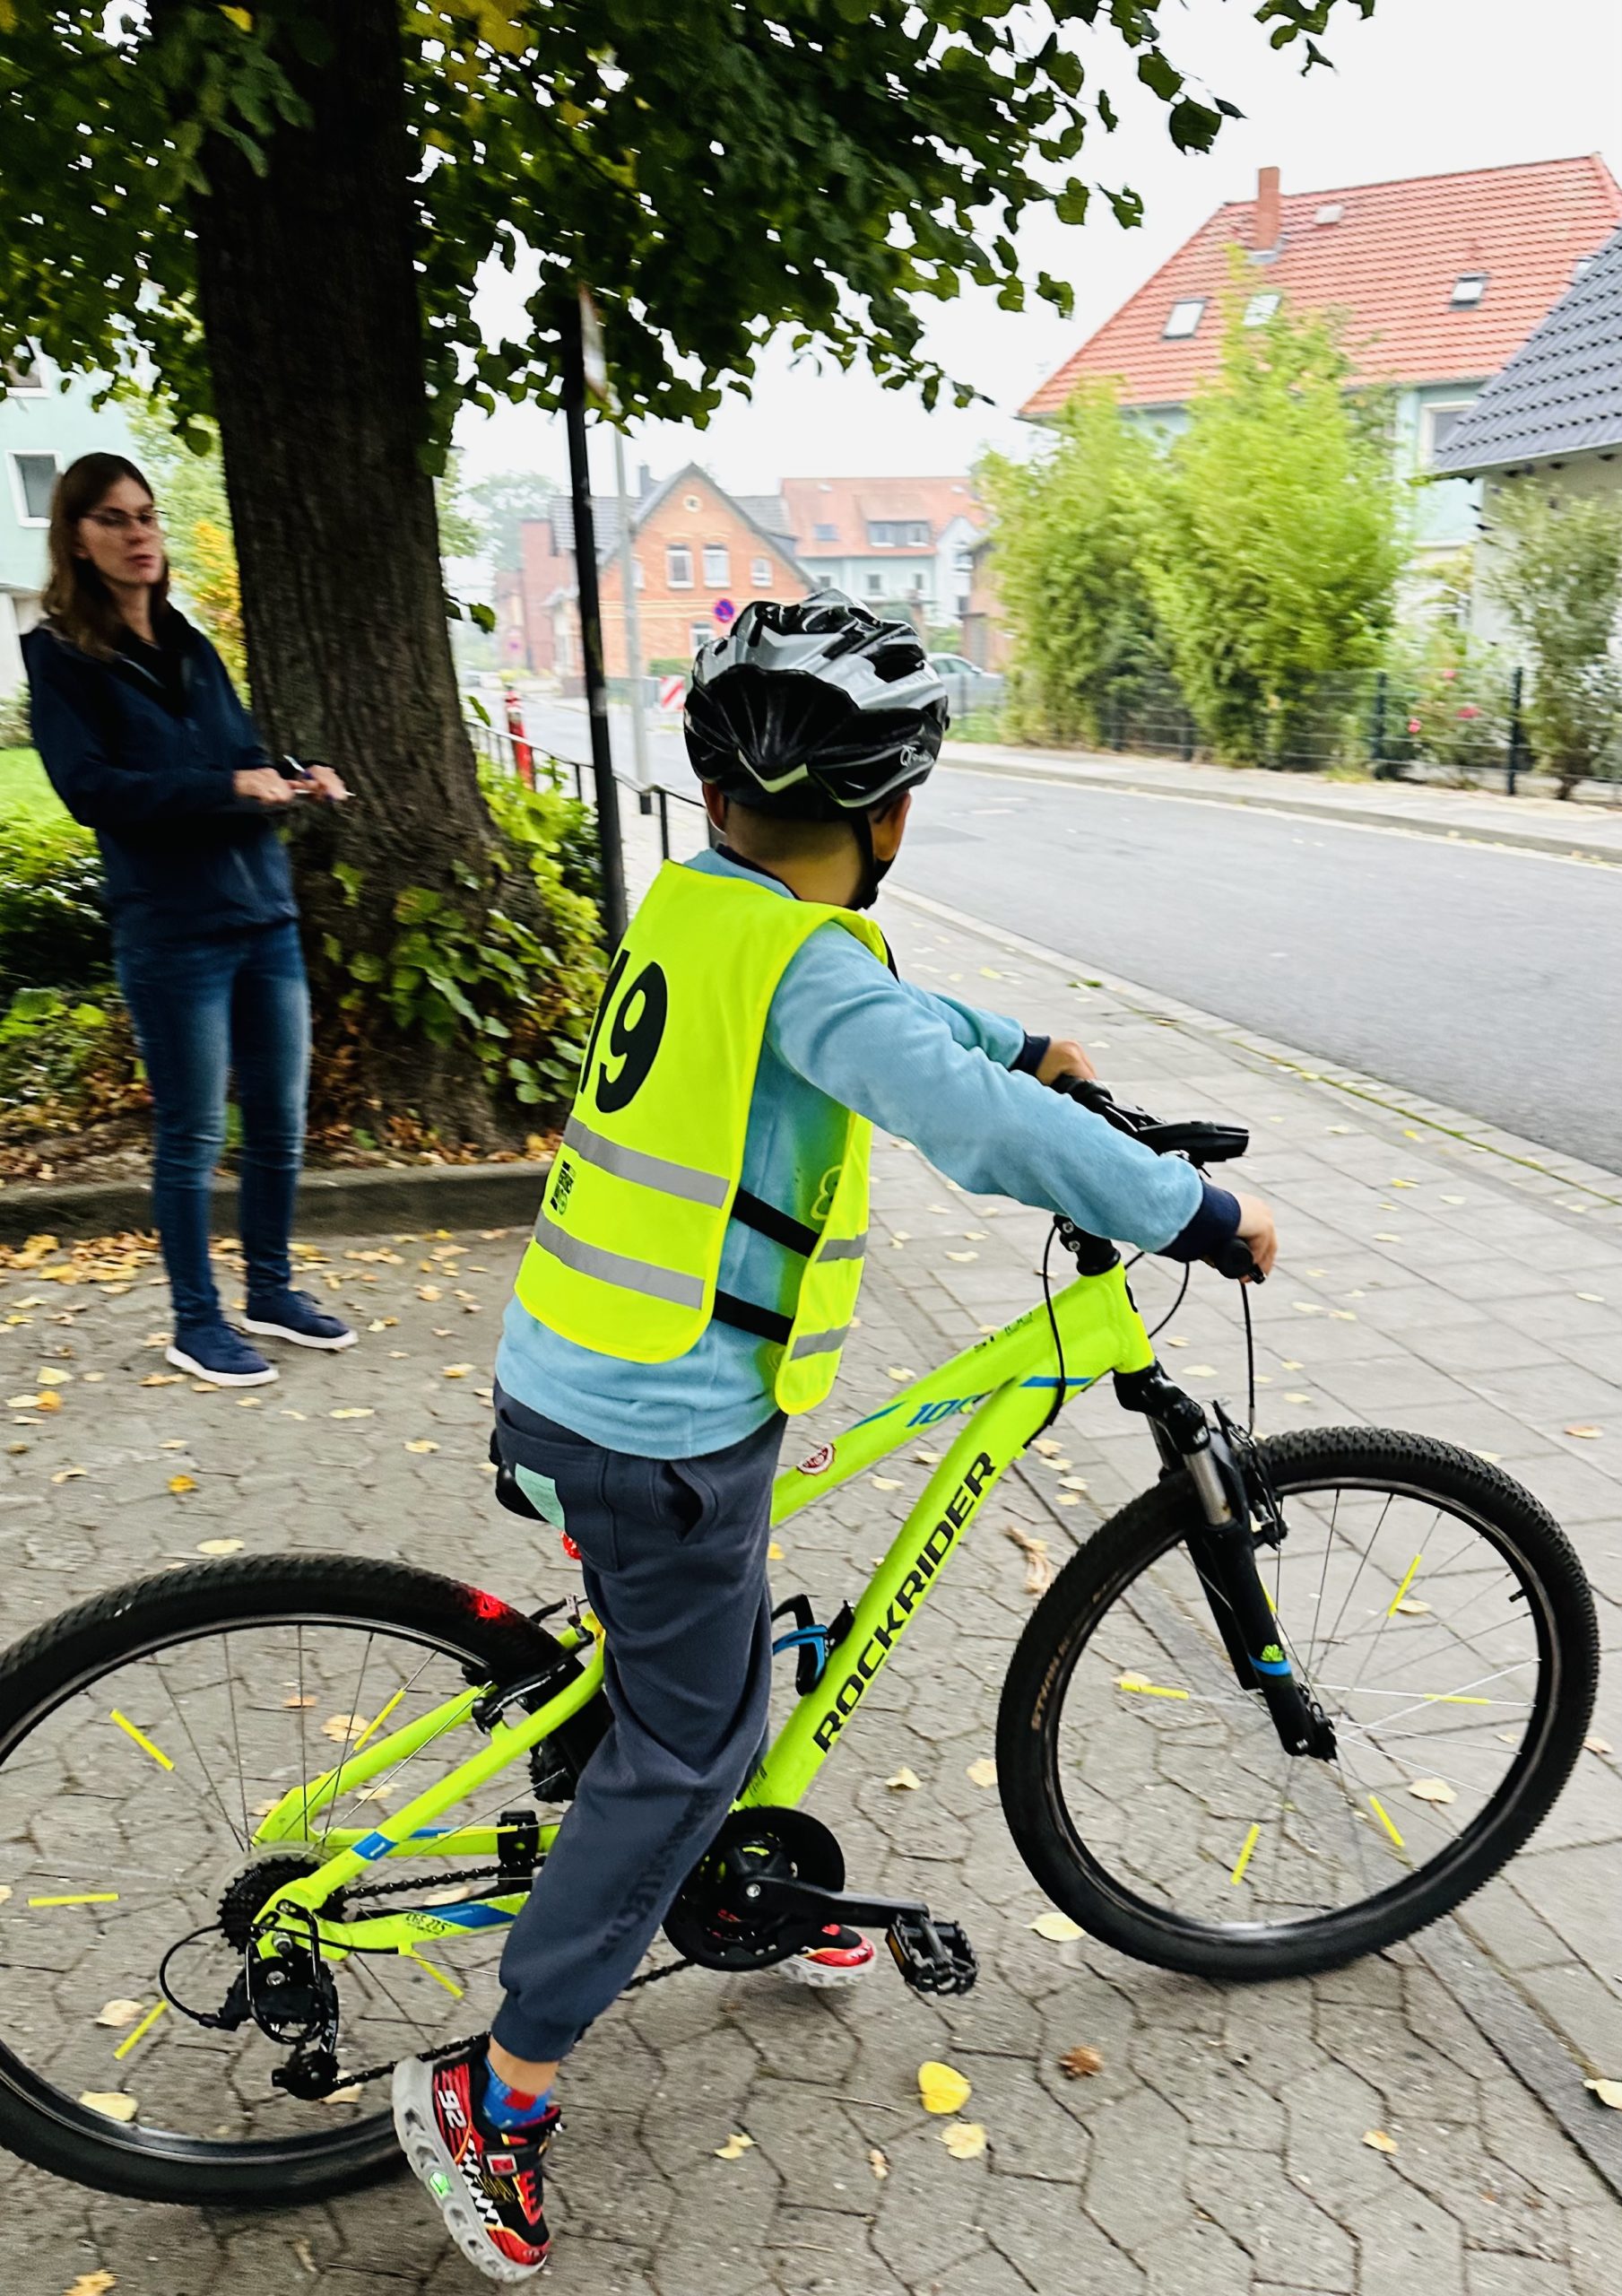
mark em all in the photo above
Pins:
pixel 448 1881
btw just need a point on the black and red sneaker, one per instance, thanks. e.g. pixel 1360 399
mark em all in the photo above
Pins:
pixel 840 1956
pixel 487 2185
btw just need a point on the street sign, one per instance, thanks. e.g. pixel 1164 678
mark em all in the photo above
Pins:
pixel 724 610
pixel 593 359
pixel 673 693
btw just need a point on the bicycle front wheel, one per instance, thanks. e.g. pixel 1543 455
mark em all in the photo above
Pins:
pixel 1427 1601
pixel 143 1738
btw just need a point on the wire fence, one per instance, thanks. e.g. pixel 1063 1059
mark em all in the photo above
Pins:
pixel 1462 723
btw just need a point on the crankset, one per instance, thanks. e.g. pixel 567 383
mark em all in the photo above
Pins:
pixel 722 1918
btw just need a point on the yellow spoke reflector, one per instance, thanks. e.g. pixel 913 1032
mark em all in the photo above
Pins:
pixel 1143 1688
pixel 438 1976
pixel 1412 1571
pixel 142 2029
pixel 1450 1698
pixel 83 1897
pixel 1379 1810
pixel 377 1720
pixel 1251 1840
pixel 142 1740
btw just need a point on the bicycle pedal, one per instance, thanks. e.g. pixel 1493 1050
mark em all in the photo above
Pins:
pixel 933 1956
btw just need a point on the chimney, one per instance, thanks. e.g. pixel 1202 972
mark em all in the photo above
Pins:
pixel 645 481
pixel 1265 224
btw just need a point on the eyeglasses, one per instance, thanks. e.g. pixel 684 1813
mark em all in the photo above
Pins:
pixel 120 522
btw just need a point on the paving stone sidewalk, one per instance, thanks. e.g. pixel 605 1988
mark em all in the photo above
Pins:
pixel 1221 2146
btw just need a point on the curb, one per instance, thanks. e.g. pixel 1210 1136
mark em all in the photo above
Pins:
pixel 330 1203
pixel 1562 848
pixel 1558 1177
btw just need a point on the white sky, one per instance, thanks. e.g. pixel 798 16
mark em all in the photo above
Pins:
pixel 1426 87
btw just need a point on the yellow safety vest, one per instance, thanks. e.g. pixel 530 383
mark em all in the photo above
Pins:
pixel 627 1247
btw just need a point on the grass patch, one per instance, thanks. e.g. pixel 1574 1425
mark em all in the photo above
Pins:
pixel 24 789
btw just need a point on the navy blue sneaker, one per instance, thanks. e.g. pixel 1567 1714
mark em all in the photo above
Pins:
pixel 295 1315
pixel 217 1352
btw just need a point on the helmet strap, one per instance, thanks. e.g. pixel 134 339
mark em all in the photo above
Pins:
pixel 873 871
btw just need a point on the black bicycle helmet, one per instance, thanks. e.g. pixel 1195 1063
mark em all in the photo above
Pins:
pixel 816 711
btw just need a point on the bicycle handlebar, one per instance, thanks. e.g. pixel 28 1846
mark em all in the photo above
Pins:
pixel 1200 1139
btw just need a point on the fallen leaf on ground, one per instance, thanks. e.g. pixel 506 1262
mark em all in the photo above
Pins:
pixel 877 2162
pixel 1609 2093
pixel 6 1891
pixel 20 1402
pixel 927 1458
pixel 904 1782
pixel 895 1372
pixel 220 1546
pixel 1589 1434
pixel 965 2140
pixel 942 2088
pixel 119 2013
pixel 113 2102
pixel 1378 2142
pixel 428 1291
pixel 422 1446
pixel 1048 1448
pixel 1057 1927
pixel 1078 2063
pixel 961 1257
pixel 302 2250
pixel 885 1482
pixel 49 1377
pixel 51 1400
pixel 180 1485
pixel 1432 1789
pixel 1598 1745
pixel 1038 1568
pixel 774 1553
pixel 93 2283
pixel 982 1772
pixel 734 2148
pixel 1595 1299
pixel 297 1700
pixel 340 1727
pixel 457 1371
pixel 353 1411
pixel 68 1474
pixel 1410 1606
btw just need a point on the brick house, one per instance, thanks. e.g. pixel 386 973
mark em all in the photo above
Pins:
pixel 693 545
pixel 895 545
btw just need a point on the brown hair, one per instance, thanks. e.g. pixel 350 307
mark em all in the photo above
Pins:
pixel 78 605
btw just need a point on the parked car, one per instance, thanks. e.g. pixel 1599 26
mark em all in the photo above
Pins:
pixel 967 688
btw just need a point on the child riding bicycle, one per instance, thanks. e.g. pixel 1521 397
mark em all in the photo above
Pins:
pixel 691 1279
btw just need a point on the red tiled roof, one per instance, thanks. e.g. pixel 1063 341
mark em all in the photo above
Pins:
pixel 1389 262
pixel 847 504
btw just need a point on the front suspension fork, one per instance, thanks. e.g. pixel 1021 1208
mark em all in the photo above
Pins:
pixel 1224 1554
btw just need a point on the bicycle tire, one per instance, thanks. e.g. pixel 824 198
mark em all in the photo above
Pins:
pixel 52 2130
pixel 1107 1566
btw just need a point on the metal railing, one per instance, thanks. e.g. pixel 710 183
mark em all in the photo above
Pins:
pixel 496 747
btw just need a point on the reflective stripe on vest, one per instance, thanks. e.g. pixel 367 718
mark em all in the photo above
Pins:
pixel 627 1246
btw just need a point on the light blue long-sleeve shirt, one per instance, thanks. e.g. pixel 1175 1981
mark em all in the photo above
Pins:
pixel 842 1032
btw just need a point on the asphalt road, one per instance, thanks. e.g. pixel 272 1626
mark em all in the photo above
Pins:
pixel 1487 977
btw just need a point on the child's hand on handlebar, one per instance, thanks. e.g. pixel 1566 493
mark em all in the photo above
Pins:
pixel 1065 1057
pixel 1257 1234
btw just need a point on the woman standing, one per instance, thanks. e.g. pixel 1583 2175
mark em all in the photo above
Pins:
pixel 146 743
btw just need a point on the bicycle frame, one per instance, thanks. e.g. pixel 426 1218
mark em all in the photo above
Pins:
pixel 1004 1389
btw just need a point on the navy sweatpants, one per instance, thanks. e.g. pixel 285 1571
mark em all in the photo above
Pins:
pixel 674 1556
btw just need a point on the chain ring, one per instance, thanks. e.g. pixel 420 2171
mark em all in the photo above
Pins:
pixel 712 1922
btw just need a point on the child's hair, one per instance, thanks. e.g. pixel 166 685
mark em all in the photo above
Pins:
pixel 770 837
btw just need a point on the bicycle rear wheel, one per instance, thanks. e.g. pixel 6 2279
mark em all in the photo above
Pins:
pixel 143 1736
pixel 1432 1606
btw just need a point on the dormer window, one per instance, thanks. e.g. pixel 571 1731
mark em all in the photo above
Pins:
pixel 1184 318
pixel 1331 211
pixel 1260 309
pixel 1468 288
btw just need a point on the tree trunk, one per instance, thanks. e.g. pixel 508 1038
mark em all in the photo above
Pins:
pixel 315 339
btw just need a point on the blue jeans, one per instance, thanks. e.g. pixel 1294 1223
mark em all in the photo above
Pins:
pixel 201 1009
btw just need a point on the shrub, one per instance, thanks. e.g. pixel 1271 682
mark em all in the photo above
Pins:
pixel 1560 583
pixel 53 927
pixel 64 1064
pixel 16 732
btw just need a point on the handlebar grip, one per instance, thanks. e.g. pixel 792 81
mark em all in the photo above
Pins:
pixel 1234 1262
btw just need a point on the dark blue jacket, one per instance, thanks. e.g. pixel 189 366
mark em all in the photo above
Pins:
pixel 184 856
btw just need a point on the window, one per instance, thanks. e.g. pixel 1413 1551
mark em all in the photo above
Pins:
pixel 898 533
pixel 700 633
pixel 638 575
pixel 1260 309
pixel 1468 288
pixel 825 534
pixel 690 502
pixel 1184 318
pixel 875 586
pixel 679 566
pixel 717 565
pixel 1331 211
pixel 23 374
pixel 760 572
pixel 34 477
pixel 1437 426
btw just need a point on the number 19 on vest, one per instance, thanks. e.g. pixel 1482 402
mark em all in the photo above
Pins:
pixel 626 1248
